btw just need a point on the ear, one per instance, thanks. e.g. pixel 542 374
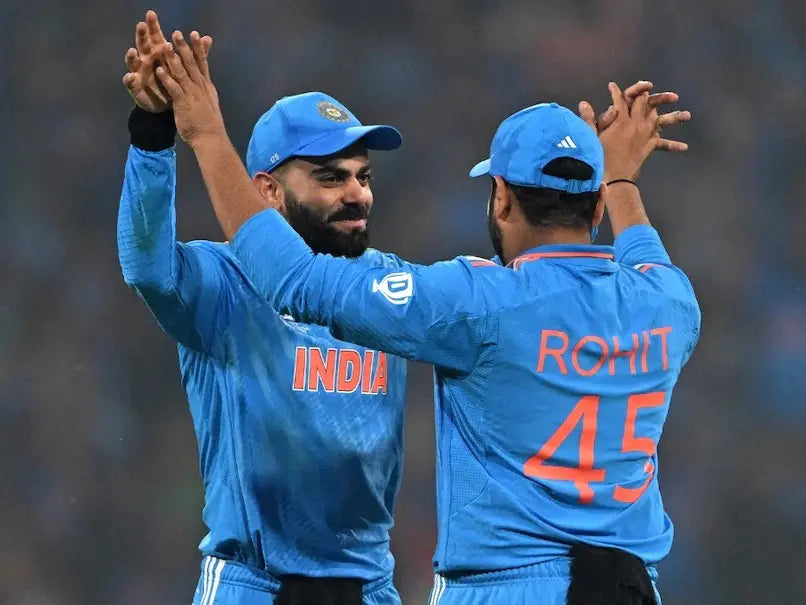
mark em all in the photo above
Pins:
pixel 501 201
pixel 598 213
pixel 271 189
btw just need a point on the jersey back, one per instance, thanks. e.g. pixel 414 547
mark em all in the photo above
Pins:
pixel 552 439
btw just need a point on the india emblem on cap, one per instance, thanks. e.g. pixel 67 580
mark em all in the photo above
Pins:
pixel 332 112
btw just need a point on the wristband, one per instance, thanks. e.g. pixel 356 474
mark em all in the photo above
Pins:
pixel 152 131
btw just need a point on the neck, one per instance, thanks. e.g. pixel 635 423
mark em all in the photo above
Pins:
pixel 534 238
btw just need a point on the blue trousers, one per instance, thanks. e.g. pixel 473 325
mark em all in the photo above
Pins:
pixel 227 583
pixel 541 584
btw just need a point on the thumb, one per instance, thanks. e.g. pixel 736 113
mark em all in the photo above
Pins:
pixel 587 114
pixel 617 98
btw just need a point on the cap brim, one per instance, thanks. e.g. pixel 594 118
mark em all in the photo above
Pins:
pixel 480 169
pixel 382 138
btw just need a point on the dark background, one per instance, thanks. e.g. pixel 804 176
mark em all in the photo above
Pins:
pixel 101 497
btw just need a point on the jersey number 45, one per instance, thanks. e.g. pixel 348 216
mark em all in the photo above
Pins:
pixel 586 411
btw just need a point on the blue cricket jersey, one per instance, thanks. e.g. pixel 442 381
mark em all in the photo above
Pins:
pixel 553 380
pixel 300 434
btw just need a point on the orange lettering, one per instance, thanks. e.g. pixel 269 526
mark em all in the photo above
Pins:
pixel 321 370
pixel 617 352
pixel 366 374
pixel 631 443
pixel 598 365
pixel 644 367
pixel 299 369
pixel 555 353
pixel 348 380
pixel 379 384
pixel 584 411
pixel 662 332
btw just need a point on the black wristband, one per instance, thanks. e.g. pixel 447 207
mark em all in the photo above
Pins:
pixel 633 183
pixel 152 131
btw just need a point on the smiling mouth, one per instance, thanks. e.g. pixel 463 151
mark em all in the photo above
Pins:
pixel 350 224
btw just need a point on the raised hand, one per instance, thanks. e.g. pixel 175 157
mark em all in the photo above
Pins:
pixel 144 87
pixel 633 135
pixel 186 78
pixel 654 101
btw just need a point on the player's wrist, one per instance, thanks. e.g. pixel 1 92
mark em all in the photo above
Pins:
pixel 622 181
pixel 152 131
pixel 617 167
pixel 212 138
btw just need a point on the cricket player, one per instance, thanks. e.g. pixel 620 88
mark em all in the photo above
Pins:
pixel 299 433
pixel 554 369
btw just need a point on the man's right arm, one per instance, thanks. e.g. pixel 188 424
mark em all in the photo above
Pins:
pixel 184 286
pixel 627 142
pixel 636 240
pixel 639 245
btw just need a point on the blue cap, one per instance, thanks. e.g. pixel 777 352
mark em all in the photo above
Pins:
pixel 313 124
pixel 528 140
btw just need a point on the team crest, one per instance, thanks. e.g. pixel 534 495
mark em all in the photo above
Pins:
pixel 332 112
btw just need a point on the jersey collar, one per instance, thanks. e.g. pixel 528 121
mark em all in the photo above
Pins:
pixel 562 252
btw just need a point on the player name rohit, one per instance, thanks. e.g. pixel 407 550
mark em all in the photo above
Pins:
pixel 590 355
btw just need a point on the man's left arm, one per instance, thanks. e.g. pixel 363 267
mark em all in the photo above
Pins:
pixel 186 77
pixel 436 314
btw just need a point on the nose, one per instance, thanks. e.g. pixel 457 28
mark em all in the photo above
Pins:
pixel 357 193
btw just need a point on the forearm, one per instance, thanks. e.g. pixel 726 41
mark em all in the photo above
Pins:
pixel 146 230
pixel 624 207
pixel 235 198
pixel 279 263
pixel 434 314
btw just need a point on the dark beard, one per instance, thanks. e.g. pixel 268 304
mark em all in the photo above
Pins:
pixel 320 235
pixel 495 233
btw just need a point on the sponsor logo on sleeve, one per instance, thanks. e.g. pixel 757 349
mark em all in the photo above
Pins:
pixel 397 288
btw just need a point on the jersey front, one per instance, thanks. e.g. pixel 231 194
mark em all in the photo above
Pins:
pixel 300 437
pixel 299 433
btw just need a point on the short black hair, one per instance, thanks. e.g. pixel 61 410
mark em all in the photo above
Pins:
pixel 550 208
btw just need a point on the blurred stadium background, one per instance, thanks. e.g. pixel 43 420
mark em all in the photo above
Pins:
pixel 101 496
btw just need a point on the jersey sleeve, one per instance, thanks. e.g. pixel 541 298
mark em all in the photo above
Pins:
pixel 641 248
pixel 185 286
pixel 640 244
pixel 436 314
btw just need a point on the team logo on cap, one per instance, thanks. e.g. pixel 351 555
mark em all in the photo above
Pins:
pixel 332 112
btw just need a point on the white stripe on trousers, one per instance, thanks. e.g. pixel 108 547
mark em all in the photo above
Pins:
pixel 212 576
pixel 438 590
pixel 205 578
